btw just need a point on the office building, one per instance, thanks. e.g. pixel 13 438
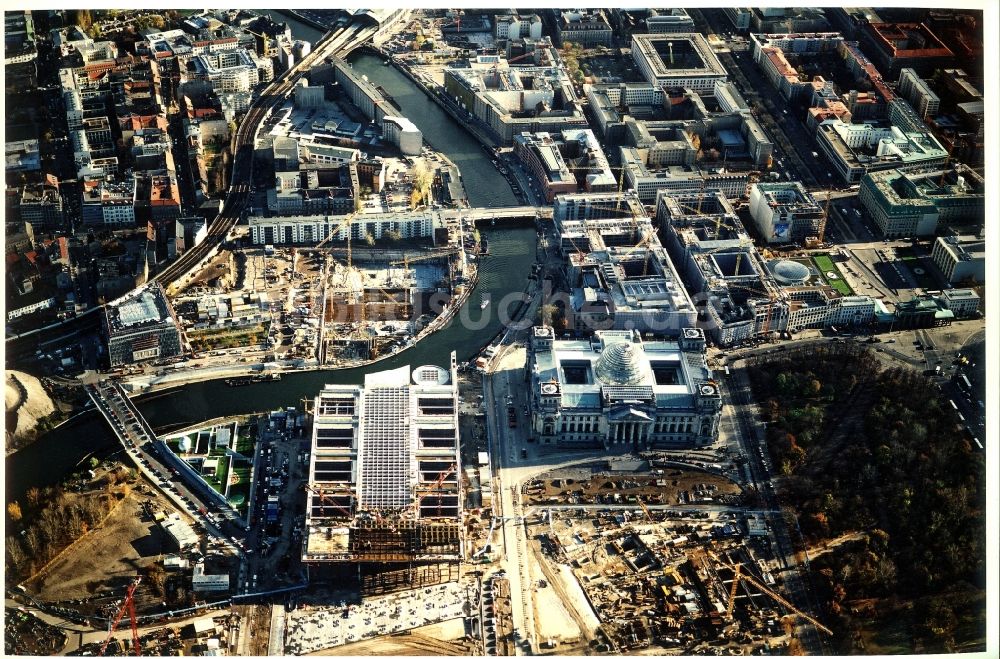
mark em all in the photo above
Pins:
pixel 786 212
pixel 617 390
pixel 854 150
pixel 517 26
pixel 677 60
pixel 920 95
pixel 647 182
pixel 584 27
pixel 963 302
pixel 309 230
pixel 738 297
pixel 960 258
pixel 41 206
pixel 620 277
pixel 385 472
pixel 908 204
pixel 511 100
pixel 141 326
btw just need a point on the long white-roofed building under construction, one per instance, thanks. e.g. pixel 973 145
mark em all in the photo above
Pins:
pixel 617 389
pixel 384 469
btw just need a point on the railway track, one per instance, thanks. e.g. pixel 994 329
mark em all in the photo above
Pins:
pixel 220 227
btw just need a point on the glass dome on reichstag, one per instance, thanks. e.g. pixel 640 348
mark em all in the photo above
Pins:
pixel 620 363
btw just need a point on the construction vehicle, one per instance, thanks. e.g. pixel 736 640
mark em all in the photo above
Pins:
pixel 127 605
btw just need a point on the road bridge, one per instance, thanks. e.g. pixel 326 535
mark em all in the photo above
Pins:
pixel 171 475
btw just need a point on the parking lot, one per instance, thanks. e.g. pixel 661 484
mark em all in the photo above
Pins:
pixel 311 629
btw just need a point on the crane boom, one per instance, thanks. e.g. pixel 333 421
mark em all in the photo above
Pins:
pixel 326 499
pixel 127 605
pixel 739 575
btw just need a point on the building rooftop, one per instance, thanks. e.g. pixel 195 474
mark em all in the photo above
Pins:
pixel 678 54
pixel 143 307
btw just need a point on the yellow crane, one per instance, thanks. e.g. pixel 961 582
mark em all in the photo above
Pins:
pixel 739 575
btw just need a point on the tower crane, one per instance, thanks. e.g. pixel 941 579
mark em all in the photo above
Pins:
pixel 327 500
pixel 127 605
pixel 437 486
pixel 739 575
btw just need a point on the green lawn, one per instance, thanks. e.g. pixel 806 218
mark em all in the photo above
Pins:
pixel 825 264
pixel 246 438
pixel 242 487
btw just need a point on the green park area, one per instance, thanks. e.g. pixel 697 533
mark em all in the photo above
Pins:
pixel 826 268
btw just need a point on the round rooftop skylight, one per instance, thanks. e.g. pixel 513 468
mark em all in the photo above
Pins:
pixel 789 272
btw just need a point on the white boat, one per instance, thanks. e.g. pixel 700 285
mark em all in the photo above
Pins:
pixel 484 304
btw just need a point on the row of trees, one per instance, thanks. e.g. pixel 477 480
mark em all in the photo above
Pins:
pixel 877 451
pixel 50 520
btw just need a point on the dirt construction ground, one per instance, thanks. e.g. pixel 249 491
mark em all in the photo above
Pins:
pixel 107 557
pixel 442 639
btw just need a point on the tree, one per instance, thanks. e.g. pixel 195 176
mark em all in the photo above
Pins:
pixel 547 312
pixel 370 239
pixel 34 496
pixel 14 511
pixel 15 554
pixel 392 234
pixel 94 462
pixel 156 577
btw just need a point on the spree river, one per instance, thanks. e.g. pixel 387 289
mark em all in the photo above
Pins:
pixel 512 251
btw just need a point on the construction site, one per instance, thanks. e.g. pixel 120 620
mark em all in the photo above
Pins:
pixel 384 492
pixel 696 582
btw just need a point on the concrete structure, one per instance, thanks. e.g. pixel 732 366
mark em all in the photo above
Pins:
pixel 769 54
pixel 208 583
pixel 141 326
pixel 720 267
pixel 309 97
pixel 740 17
pixel 403 134
pixel 309 230
pixel 818 307
pixel 384 471
pixel 621 278
pixel 677 60
pixel 41 206
pixel 857 149
pixel 515 99
pixel 231 71
pixel 895 46
pixel 669 21
pixel 647 183
pixel 960 258
pixel 540 155
pixel 785 212
pixel 517 26
pixel 903 204
pixel 595 206
pixel 180 532
pixel 963 302
pixel 586 27
pixel 916 90
pixel 109 202
pixel 619 390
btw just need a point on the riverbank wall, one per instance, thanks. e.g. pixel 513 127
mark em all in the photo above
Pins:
pixel 472 130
